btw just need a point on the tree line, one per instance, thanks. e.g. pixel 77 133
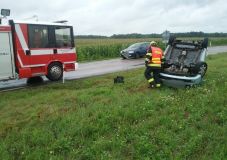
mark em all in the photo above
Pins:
pixel 154 35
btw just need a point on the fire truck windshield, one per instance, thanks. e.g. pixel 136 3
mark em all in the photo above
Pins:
pixel 44 36
pixel 63 37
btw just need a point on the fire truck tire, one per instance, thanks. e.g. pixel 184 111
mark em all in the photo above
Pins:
pixel 55 71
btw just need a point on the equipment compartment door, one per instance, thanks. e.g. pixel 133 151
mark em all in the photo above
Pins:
pixel 6 57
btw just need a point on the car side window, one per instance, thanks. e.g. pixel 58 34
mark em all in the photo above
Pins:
pixel 144 46
pixel 38 36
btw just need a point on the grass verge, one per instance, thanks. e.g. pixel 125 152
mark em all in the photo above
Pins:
pixel 95 119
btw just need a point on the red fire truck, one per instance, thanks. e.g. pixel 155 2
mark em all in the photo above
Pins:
pixel 30 49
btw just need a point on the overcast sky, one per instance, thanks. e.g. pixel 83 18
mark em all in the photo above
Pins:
pixel 107 17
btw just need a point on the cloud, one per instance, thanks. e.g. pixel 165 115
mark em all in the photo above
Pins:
pixel 107 17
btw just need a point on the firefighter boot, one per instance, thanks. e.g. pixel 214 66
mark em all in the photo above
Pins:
pixel 158 85
pixel 151 83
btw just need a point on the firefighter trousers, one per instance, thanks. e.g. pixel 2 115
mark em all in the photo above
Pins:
pixel 152 75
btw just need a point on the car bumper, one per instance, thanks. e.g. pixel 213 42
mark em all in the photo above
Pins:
pixel 180 81
pixel 76 66
pixel 128 55
pixel 124 55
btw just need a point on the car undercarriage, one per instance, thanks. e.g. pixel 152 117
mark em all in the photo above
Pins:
pixel 185 60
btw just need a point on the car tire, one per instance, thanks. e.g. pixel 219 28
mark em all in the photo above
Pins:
pixel 171 40
pixel 201 68
pixel 55 71
pixel 205 43
pixel 137 56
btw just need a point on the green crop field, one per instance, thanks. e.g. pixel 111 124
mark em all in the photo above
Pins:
pixel 94 119
pixel 98 49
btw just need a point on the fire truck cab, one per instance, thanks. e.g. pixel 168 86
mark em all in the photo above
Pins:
pixel 29 49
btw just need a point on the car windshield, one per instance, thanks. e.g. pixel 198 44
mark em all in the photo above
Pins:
pixel 136 45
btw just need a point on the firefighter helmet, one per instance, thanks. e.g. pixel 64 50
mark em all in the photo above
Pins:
pixel 153 43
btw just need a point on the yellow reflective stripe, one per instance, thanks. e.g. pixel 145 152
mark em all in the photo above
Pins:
pixel 151 80
pixel 154 59
pixel 156 62
pixel 158 52
pixel 158 85
pixel 147 59
pixel 154 65
pixel 148 54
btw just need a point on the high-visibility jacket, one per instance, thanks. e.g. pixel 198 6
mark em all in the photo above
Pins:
pixel 154 57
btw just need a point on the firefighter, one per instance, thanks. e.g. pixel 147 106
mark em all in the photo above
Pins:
pixel 153 62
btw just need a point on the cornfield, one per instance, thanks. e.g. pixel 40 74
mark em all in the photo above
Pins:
pixel 97 49
pixel 105 48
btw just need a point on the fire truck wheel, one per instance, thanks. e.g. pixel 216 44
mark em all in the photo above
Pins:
pixel 55 71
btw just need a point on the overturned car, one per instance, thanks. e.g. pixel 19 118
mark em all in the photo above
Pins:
pixel 184 62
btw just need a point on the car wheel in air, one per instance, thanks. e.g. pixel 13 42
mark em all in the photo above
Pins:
pixel 201 68
pixel 55 71
pixel 205 43
pixel 171 40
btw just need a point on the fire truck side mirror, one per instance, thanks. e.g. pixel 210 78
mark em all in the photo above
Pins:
pixel 5 12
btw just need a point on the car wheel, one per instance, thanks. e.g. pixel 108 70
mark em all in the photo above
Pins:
pixel 205 43
pixel 55 71
pixel 137 55
pixel 171 40
pixel 201 68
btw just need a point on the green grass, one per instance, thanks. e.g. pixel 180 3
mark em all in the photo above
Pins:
pixel 218 41
pixel 106 48
pixel 94 119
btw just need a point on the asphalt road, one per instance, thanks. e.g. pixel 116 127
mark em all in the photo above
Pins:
pixel 99 68
pixel 218 49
